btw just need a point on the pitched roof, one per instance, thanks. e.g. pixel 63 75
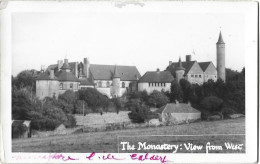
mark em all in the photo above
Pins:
pixel 180 67
pixel 220 39
pixel 186 65
pixel 105 72
pixel 85 82
pixel 45 76
pixel 204 65
pixel 157 76
pixel 116 74
pixel 67 76
pixel 177 108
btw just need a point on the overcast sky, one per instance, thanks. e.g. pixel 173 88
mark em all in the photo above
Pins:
pixel 122 36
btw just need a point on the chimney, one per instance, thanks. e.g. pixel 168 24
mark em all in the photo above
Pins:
pixel 60 63
pixel 52 74
pixel 136 77
pixel 86 66
pixel 66 61
pixel 42 68
pixel 76 69
pixel 158 70
pixel 188 58
pixel 170 63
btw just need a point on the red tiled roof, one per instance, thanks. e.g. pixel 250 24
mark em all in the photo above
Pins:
pixel 105 72
pixel 157 76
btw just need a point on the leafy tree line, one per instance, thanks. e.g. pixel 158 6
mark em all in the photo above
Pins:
pixel 213 97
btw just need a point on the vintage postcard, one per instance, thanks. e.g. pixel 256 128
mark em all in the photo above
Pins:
pixel 129 81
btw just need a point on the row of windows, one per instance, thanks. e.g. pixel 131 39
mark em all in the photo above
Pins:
pixel 100 84
pixel 196 76
pixel 157 84
pixel 199 76
pixel 71 85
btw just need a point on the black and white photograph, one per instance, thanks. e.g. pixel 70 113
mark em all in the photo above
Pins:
pixel 129 81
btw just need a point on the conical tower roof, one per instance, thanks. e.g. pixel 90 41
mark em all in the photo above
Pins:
pixel 116 74
pixel 220 39
pixel 65 65
pixel 180 65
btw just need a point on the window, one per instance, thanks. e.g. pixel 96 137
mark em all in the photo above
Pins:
pixel 149 84
pixel 196 75
pixel 192 75
pixel 100 84
pixel 123 84
pixel 200 76
pixel 108 84
pixel 164 84
pixel 71 85
pixel 61 85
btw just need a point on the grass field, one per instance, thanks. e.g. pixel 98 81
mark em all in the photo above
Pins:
pixel 108 141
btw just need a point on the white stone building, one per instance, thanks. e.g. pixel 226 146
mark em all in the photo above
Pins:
pixel 110 80
pixel 155 80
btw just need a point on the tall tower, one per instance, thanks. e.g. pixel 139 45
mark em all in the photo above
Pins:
pixel 221 68
pixel 179 71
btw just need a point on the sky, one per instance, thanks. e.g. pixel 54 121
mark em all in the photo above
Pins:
pixel 147 39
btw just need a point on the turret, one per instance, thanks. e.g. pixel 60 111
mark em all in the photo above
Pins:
pixel 179 72
pixel 66 66
pixel 86 67
pixel 115 90
pixel 221 68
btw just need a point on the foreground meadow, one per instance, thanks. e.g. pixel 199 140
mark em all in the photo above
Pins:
pixel 108 141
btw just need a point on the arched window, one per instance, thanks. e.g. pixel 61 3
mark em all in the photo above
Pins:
pixel 61 85
pixel 100 84
pixel 123 84
pixel 108 84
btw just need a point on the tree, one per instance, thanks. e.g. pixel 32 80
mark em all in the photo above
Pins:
pixel 139 113
pixel 187 90
pixel 24 79
pixel 213 104
pixel 176 92
pixel 118 104
pixel 18 129
pixel 157 99
pixel 93 98
pixel 67 101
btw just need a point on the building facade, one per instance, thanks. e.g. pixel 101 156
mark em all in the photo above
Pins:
pixel 155 80
pixel 200 72
pixel 110 80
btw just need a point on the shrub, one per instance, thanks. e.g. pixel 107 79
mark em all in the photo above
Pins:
pixel 71 122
